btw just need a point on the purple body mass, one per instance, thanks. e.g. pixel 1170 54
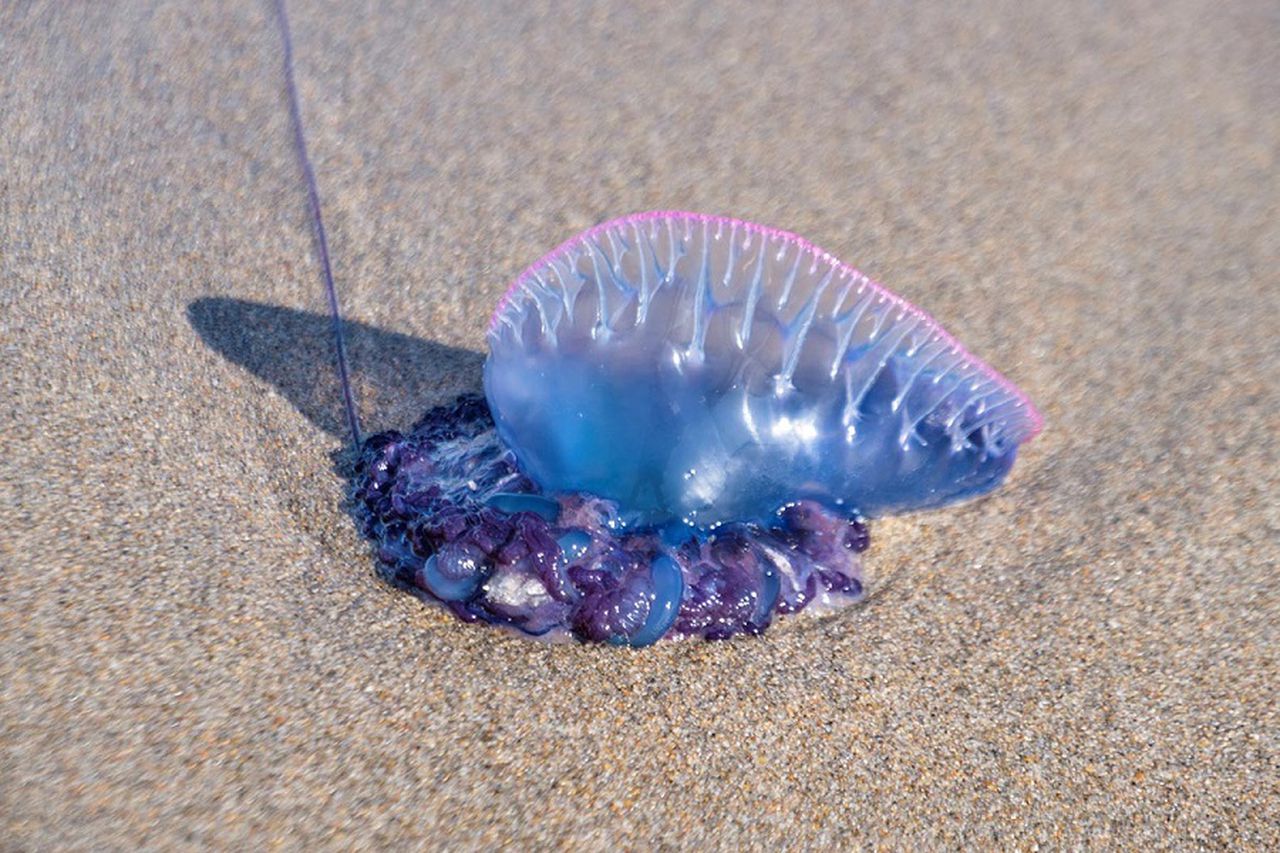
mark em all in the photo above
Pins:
pixel 694 417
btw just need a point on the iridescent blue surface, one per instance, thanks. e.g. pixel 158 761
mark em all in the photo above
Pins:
pixel 705 370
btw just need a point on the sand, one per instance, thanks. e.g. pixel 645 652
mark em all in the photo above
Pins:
pixel 195 650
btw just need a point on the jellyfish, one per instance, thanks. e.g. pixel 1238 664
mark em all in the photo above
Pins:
pixel 687 423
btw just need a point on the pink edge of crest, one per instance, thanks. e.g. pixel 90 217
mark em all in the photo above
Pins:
pixel 1037 421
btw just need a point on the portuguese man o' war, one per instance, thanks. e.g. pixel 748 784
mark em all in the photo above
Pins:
pixel 687 423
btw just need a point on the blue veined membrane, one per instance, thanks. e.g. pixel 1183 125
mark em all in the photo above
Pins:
pixel 707 370
pixel 688 421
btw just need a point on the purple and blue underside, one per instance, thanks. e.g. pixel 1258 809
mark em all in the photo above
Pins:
pixel 452 517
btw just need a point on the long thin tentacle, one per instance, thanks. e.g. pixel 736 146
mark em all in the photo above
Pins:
pixel 322 242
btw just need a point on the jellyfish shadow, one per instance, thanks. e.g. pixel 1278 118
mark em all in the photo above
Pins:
pixel 395 376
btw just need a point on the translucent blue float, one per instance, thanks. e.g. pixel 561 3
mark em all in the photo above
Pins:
pixel 706 370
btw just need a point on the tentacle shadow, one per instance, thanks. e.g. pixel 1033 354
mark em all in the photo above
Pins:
pixel 397 376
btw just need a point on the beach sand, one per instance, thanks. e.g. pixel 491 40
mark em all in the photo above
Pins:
pixel 195 650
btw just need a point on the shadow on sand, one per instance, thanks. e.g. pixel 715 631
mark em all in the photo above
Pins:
pixel 396 377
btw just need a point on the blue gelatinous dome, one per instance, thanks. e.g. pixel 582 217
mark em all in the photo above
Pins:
pixel 706 370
